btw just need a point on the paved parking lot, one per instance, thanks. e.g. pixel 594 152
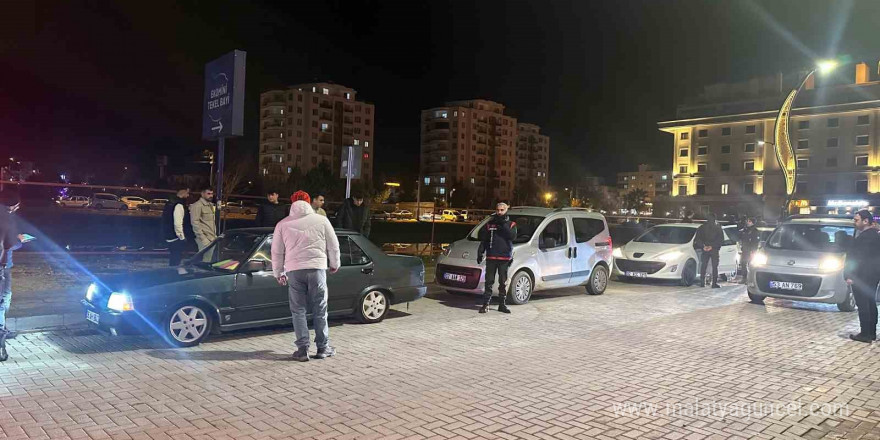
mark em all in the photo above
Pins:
pixel 640 361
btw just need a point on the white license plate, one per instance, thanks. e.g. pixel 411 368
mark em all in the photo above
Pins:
pixel 636 274
pixel 786 285
pixel 455 277
pixel 93 317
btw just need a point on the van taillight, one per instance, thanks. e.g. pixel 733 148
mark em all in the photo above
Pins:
pixel 610 244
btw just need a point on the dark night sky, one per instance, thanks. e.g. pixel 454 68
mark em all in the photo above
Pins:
pixel 102 83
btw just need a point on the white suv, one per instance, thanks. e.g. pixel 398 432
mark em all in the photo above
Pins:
pixel 108 201
pixel 553 248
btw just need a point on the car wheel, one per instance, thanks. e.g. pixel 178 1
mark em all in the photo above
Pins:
pixel 520 288
pixel 372 307
pixel 756 299
pixel 848 305
pixel 598 281
pixel 188 325
pixel 689 273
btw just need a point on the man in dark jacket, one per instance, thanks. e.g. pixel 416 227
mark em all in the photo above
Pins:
pixel 174 217
pixel 709 238
pixel 271 212
pixel 496 242
pixel 354 215
pixel 750 238
pixel 11 241
pixel 862 272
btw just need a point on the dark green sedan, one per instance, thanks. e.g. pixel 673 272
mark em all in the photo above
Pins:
pixel 230 286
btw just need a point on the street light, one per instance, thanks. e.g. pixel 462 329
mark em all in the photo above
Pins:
pixel 785 153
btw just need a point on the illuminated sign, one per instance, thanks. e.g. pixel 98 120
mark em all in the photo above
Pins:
pixel 800 203
pixel 843 203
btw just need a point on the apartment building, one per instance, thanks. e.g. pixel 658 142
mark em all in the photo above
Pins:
pixel 532 155
pixel 469 143
pixel 724 160
pixel 654 183
pixel 307 124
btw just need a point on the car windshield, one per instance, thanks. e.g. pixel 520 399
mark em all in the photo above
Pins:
pixel 667 235
pixel 811 237
pixel 525 227
pixel 733 233
pixel 227 252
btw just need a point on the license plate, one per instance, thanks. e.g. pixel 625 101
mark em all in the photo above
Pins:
pixel 93 317
pixel 786 285
pixel 636 274
pixel 455 277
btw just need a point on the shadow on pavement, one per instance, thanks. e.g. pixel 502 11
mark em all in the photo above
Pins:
pixel 469 301
pixel 218 355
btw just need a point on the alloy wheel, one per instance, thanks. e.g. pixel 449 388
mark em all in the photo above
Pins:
pixel 188 324
pixel 374 305
pixel 522 289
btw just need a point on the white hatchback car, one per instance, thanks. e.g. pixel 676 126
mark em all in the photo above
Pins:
pixel 666 252
pixel 553 248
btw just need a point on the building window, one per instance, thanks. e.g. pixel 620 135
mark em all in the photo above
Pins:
pixel 472 180
pixel 442 190
pixel 702 167
pixel 683 152
pixel 863 120
pixel 803 125
pixel 861 186
pixel 831 162
pixel 325 126
pixel 723 188
pixel 750 129
pixel 862 140
pixel 442 158
pixel 749 165
pixel 441 114
pixel 803 144
pixel 832 143
pixel 299 98
pixel 682 190
pixel 749 148
pixel 803 163
pixel 701 189
pixel 442 180
pixel 703 133
pixel 862 160
pixel 749 188
pixel 833 122
pixel 664 177
pixel 683 136
pixel 725 131
pixel 682 169
pixel 347 95
pixel 427 180
pixel 357 142
pixel 830 187
pixel 314 98
pixel 725 149
pixel 725 167
pixel 702 150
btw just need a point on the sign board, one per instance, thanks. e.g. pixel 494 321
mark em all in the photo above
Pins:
pixel 357 159
pixel 223 106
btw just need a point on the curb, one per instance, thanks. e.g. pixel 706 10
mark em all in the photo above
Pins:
pixel 45 322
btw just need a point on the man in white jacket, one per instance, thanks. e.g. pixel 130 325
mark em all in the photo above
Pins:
pixel 304 247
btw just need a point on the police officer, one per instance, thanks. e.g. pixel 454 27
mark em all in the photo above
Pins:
pixel 496 242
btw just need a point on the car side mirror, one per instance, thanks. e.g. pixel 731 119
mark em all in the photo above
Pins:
pixel 255 266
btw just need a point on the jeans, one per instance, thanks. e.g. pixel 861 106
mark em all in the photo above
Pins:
pixel 492 267
pixel 704 263
pixel 175 249
pixel 5 294
pixel 867 310
pixel 308 290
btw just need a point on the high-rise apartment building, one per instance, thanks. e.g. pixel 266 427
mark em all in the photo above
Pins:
pixel 723 154
pixel 310 123
pixel 654 183
pixel 474 144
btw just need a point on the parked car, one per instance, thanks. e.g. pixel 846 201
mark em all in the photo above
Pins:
pixel 132 202
pixel 553 248
pixel 107 201
pixel 230 285
pixel 402 214
pixel 450 215
pixel 73 202
pixel 666 252
pixel 427 217
pixel 241 207
pixel 381 215
pixel 803 261
pixel 155 205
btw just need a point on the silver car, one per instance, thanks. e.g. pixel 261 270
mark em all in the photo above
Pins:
pixel 803 261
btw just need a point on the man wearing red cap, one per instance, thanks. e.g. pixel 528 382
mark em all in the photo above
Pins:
pixel 301 195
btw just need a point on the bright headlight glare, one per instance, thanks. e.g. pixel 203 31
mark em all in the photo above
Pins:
pixel 120 302
pixel 617 253
pixel 831 263
pixel 90 293
pixel 670 256
pixel 759 259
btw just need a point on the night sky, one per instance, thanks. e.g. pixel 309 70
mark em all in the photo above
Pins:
pixel 103 84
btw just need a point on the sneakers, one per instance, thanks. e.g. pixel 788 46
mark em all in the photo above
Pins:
pixel 861 338
pixel 503 308
pixel 301 355
pixel 3 354
pixel 484 308
pixel 325 352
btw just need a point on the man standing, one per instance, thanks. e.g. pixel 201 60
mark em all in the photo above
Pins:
pixel 750 240
pixel 318 204
pixel 862 272
pixel 709 237
pixel 173 218
pixel 11 241
pixel 304 246
pixel 496 242
pixel 201 214
pixel 271 212
pixel 354 215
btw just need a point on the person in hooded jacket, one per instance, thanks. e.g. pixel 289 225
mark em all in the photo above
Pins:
pixel 709 238
pixel 271 212
pixel 496 242
pixel 354 215
pixel 304 247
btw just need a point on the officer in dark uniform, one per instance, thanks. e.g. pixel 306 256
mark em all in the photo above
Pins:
pixel 496 242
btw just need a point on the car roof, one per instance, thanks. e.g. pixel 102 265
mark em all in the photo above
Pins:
pixel 267 230
pixel 682 225
pixel 837 221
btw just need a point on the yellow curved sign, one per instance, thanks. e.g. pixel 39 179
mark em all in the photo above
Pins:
pixel 784 152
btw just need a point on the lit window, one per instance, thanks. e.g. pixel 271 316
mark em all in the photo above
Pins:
pixel 455 113
pixel 347 95
pixel 314 89
pixel 472 180
pixel 440 114
pixel 325 91
pixel 442 180
pixel 723 188
pixel 442 190
pixel 427 180
pixel 325 126
pixel 357 142
pixel 442 158
pixel 367 144
pixel 665 177
pixel 282 111
pixel 289 170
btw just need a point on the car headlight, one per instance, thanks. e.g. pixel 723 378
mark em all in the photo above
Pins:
pixel 759 259
pixel 831 263
pixel 617 253
pixel 670 256
pixel 90 293
pixel 120 302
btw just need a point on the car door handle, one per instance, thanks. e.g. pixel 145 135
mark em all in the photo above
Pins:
pixel 367 271
pixel 575 252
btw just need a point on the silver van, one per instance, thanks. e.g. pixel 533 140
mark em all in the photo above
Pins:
pixel 554 248
pixel 803 261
